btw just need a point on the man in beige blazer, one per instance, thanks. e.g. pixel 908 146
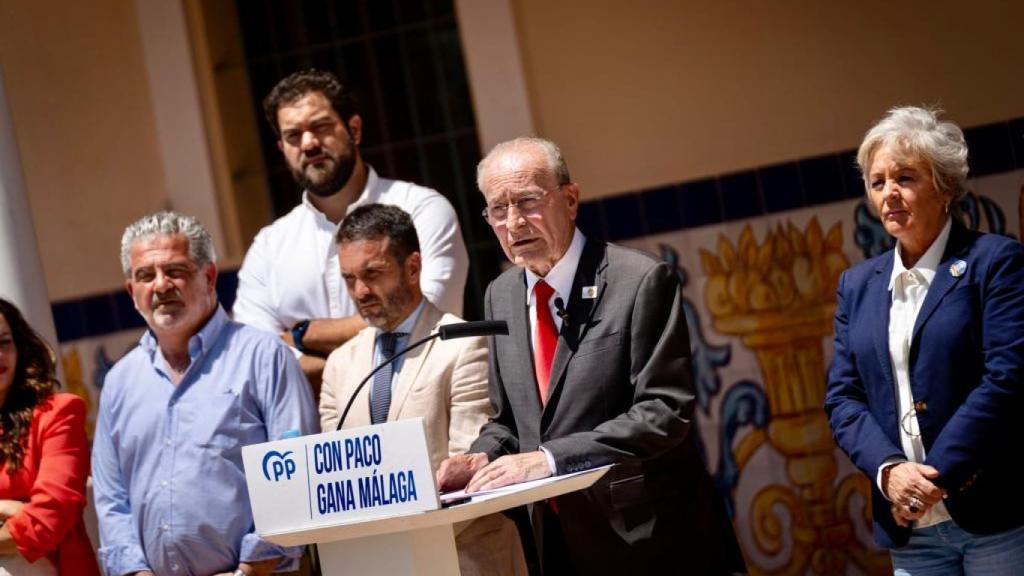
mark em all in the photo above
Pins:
pixel 444 381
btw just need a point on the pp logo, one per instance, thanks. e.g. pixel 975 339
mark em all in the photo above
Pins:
pixel 279 465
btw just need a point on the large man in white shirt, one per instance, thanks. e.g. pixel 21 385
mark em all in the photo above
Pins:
pixel 290 282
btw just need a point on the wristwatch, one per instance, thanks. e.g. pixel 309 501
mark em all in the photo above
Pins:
pixel 298 331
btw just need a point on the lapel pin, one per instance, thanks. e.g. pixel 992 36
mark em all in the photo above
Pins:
pixel 589 292
pixel 958 268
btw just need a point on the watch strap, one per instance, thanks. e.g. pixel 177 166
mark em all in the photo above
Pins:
pixel 298 332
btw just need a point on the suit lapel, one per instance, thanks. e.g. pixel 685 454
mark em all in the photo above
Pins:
pixel 413 362
pixel 882 303
pixel 589 272
pixel 944 281
pixel 362 363
pixel 519 324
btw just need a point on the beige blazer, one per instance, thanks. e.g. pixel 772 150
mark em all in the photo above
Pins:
pixel 445 382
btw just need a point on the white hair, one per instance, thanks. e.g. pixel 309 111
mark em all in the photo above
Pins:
pixel 916 131
pixel 200 244
pixel 552 153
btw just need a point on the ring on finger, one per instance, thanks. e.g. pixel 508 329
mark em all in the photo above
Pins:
pixel 914 505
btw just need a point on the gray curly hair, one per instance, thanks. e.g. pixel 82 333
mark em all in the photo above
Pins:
pixel 200 244
pixel 915 131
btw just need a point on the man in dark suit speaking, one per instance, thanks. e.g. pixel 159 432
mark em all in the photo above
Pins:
pixel 596 370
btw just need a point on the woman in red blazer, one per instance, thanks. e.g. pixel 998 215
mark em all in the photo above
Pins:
pixel 44 460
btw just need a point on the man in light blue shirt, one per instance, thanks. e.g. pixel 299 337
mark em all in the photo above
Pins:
pixel 175 412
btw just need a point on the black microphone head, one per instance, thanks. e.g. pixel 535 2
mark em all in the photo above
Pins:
pixel 479 328
pixel 561 311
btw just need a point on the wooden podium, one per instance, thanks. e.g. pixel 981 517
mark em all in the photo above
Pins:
pixel 409 538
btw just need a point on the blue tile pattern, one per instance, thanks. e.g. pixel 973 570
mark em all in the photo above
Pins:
pixel 990 149
pixel 1017 141
pixel 115 312
pixel 741 197
pixel 623 217
pixel 822 179
pixel 661 209
pixel 808 182
pixel 780 186
pixel 590 220
pixel 701 203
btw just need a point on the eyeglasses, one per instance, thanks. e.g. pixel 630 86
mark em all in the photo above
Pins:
pixel 497 214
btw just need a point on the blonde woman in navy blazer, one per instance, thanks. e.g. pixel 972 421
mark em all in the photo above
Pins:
pixel 924 390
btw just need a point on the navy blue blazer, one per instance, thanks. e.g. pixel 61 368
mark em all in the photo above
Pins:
pixel 966 373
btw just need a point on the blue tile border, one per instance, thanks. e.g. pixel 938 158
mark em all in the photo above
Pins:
pixel 990 149
pixel 806 182
pixel 624 219
pixel 741 196
pixel 852 181
pixel 660 207
pixel 822 179
pixel 69 320
pixel 995 148
pixel 701 203
pixel 780 186
pixel 115 312
pixel 590 219
pixel 1017 141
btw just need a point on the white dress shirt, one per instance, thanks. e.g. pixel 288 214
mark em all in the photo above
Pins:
pixel 908 289
pixel 291 271
pixel 560 279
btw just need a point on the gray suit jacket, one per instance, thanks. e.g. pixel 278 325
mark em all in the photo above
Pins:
pixel 622 393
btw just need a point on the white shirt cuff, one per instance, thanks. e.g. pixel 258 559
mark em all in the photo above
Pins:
pixel 551 461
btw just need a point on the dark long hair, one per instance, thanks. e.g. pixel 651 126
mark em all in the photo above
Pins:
pixel 35 379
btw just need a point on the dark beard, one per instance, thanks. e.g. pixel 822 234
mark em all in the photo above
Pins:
pixel 336 179
pixel 391 305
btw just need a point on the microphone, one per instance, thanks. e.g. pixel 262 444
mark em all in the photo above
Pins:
pixel 444 332
pixel 561 311
pixel 466 329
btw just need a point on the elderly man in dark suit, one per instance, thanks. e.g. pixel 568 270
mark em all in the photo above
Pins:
pixel 596 370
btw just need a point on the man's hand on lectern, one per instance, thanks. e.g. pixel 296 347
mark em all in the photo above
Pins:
pixel 456 471
pixel 510 469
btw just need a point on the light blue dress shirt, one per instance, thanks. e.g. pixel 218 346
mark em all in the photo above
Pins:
pixel 167 460
pixel 400 343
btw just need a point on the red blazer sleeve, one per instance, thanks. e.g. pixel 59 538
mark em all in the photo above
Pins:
pixel 57 498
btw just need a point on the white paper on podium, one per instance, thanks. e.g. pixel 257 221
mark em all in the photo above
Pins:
pixel 496 492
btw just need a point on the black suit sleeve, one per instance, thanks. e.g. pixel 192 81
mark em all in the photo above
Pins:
pixel 661 378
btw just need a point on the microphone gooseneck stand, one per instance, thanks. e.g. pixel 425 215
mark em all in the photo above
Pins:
pixel 444 332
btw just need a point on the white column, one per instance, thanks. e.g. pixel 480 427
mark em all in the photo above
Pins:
pixel 174 91
pixel 21 273
pixel 490 44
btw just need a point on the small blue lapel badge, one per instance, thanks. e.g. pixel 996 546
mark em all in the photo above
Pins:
pixel 958 268
pixel 589 292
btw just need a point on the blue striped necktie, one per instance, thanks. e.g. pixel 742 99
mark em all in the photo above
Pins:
pixel 381 401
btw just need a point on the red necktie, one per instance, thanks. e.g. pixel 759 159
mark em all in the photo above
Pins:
pixel 545 338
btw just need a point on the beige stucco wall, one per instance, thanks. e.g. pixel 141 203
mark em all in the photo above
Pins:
pixel 649 92
pixel 85 130
pixel 638 93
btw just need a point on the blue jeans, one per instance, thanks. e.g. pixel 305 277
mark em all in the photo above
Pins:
pixel 947 550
